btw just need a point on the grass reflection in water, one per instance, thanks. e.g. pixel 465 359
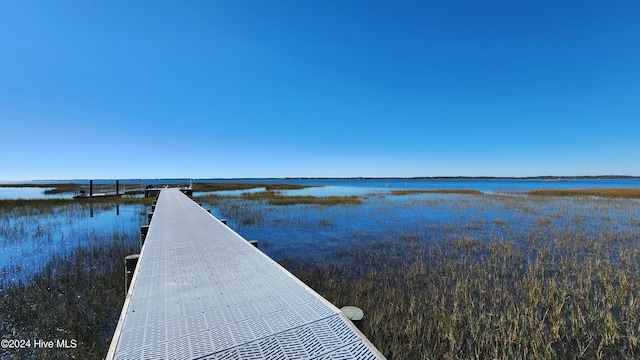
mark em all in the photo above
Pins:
pixel 439 275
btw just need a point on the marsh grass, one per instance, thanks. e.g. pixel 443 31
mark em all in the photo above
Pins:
pixel 77 292
pixel 437 191
pixel 496 277
pixel 47 204
pixel 63 188
pixel 244 186
pixel 34 204
pixel 276 198
pixel 279 199
pixel 511 277
pixel 607 193
pixel 34 230
pixel 465 298
pixel 76 296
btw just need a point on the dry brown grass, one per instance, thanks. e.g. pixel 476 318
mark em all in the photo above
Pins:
pixel 467 299
pixel 438 191
pixel 276 198
pixel 244 186
pixel 609 193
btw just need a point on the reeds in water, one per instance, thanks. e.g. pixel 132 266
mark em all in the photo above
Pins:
pixel 275 198
pixel 75 297
pixel 501 277
pixel 244 186
pixel 556 289
pixel 609 193
pixel 437 191
pixel 468 299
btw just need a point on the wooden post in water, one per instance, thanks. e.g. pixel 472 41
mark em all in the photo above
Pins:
pixel 90 188
pixel 144 230
pixel 355 314
pixel 117 186
pixel 130 263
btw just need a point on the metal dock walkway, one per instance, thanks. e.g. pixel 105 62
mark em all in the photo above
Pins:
pixel 201 291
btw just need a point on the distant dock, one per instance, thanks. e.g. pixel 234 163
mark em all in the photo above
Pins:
pixel 91 193
pixel 149 191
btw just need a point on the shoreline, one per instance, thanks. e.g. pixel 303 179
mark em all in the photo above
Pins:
pixel 53 182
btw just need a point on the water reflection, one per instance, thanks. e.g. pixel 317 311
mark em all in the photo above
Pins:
pixel 30 237
pixel 7 193
pixel 332 190
pixel 317 231
pixel 230 192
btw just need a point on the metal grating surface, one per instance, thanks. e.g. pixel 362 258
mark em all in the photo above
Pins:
pixel 200 291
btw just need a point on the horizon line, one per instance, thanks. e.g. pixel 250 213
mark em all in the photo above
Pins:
pixel 340 178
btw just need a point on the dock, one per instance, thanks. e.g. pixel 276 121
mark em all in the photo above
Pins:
pixel 201 291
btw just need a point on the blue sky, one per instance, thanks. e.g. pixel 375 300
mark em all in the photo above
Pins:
pixel 151 89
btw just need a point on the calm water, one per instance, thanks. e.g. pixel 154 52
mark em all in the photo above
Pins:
pixel 318 231
pixel 328 187
pixel 362 186
pixel 28 193
pixel 30 238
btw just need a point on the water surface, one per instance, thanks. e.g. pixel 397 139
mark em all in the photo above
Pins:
pixel 31 237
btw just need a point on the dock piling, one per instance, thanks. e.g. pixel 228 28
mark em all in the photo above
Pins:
pixel 130 263
pixel 144 230
pixel 355 314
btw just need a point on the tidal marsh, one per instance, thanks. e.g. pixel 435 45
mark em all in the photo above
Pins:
pixel 276 198
pixel 466 275
pixel 439 275
pixel 77 296
pixel 437 191
pixel 469 298
pixel 609 193
pixel 61 268
pixel 221 186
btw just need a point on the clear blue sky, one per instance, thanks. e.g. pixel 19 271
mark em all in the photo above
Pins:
pixel 146 89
